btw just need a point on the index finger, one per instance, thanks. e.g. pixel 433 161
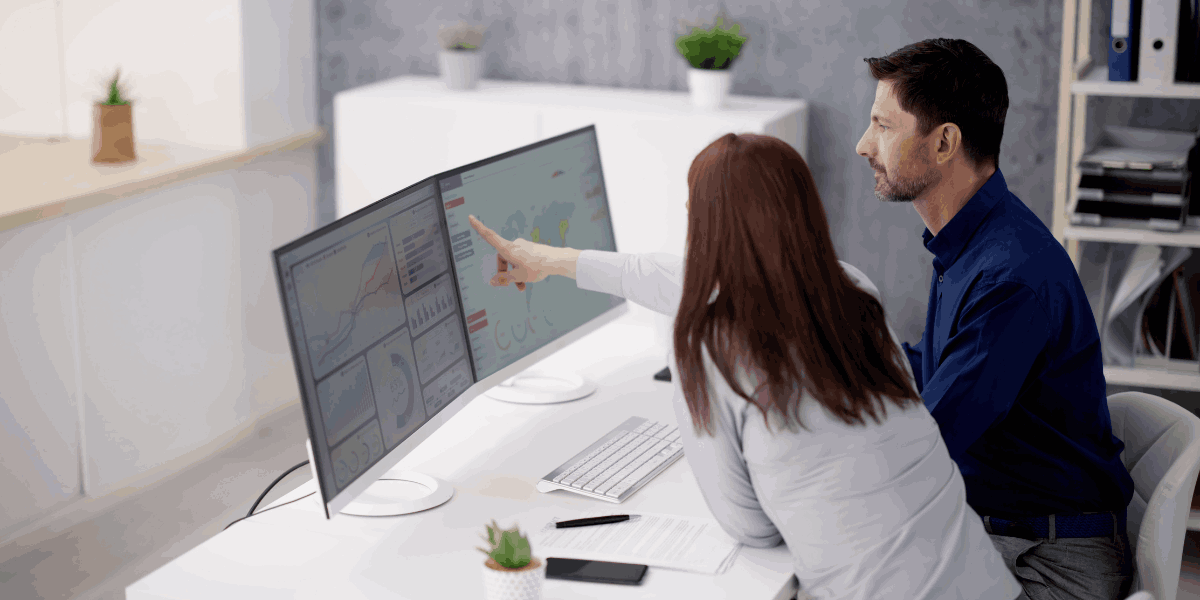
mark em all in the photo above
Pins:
pixel 487 234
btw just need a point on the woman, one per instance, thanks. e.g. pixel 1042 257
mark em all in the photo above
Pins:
pixel 808 428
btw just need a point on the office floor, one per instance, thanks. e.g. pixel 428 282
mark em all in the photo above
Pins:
pixel 98 558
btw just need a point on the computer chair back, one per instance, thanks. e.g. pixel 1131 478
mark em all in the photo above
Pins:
pixel 1162 453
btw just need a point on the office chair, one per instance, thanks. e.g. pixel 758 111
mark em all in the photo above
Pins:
pixel 1162 453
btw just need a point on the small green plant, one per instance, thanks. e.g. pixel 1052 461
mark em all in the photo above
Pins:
pixel 461 36
pixel 116 94
pixel 714 48
pixel 508 547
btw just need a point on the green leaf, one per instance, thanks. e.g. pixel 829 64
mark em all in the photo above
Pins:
pixel 114 91
pixel 714 48
pixel 513 551
pixel 509 548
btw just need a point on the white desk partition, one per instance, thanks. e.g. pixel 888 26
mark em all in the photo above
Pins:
pixel 391 134
pixel 493 453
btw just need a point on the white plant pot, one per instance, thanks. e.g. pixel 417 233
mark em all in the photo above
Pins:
pixel 709 87
pixel 525 584
pixel 460 68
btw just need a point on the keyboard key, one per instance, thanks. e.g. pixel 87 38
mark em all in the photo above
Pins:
pixel 597 464
pixel 673 437
pixel 618 490
pixel 659 446
pixel 603 490
pixel 666 431
pixel 644 470
pixel 643 427
pixel 654 430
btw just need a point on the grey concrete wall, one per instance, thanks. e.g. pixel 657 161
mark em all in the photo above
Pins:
pixel 804 48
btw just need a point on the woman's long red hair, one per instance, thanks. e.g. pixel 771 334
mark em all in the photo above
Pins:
pixel 783 308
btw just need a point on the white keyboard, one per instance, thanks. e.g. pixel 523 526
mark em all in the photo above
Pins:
pixel 619 463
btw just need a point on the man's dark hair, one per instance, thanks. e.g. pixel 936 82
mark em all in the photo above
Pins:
pixel 950 81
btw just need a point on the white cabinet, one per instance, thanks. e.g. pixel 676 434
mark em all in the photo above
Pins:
pixel 397 132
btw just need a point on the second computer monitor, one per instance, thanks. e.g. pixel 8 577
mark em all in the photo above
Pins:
pixel 551 192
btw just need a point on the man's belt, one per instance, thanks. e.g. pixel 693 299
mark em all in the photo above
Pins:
pixel 1055 526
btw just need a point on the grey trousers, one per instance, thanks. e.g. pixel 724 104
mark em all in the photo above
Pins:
pixel 1096 568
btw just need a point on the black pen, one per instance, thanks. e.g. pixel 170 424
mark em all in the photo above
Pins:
pixel 592 521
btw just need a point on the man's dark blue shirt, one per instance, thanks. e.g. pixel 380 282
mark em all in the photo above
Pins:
pixel 1010 367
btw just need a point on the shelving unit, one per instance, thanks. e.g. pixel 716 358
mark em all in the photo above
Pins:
pixel 1096 83
pixel 1082 76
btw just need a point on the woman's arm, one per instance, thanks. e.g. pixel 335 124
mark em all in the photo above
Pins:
pixel 651 280
pixel 720 467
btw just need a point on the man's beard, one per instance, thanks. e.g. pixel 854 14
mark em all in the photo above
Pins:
pixel 903 190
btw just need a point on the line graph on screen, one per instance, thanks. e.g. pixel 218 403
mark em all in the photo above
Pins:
pixel 350 298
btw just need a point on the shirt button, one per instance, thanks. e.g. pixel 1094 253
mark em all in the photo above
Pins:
pixel 939 278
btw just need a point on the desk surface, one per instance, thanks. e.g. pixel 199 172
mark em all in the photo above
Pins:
pixel 493 453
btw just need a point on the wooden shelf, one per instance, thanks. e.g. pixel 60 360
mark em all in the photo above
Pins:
pixel 1123 235
pixel 1169 379
pixel 1096 83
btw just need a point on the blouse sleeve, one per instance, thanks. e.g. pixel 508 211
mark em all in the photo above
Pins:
pixel 651 280
pixel 720 467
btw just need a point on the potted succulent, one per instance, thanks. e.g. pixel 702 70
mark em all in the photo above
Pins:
pixel 511 572
pixel 710 54
pixel 460 59
pixel 112 134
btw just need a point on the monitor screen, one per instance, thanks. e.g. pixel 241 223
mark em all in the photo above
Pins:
pixel 551 192
pixel 376 332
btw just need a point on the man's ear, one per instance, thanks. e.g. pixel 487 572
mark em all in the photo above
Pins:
pixel 948 143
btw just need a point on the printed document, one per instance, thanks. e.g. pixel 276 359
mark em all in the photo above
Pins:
pixel 657 540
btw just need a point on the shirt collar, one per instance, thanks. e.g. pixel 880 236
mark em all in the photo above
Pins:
pixel 950 242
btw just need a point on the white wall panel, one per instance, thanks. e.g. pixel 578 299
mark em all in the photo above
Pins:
pixel 280 75
pixel 39 413
pixel 30 87
pixel 160 329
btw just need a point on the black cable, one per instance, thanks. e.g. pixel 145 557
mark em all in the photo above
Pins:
pixel 270 509
pixel 266 491
pixel 277 480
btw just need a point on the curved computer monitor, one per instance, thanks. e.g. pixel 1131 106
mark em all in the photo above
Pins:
pixel 394 328
pixel 551 192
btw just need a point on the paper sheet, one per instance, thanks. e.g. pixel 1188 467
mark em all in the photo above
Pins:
pixel 657 540
pixel 1148 267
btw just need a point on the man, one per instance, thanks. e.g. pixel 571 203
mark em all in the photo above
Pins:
pixel 1009 364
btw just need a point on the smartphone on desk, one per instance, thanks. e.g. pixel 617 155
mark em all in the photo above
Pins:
pixel 596 571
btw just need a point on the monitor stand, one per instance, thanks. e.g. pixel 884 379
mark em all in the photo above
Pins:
pixel 542 388
pixel 395 493
pixel 400 493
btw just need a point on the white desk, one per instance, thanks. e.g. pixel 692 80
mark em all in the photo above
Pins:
pixel 493 453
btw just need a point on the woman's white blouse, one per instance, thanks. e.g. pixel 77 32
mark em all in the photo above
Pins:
pixel 868 512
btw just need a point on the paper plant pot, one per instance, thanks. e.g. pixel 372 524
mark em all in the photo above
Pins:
pixel 460 68
pixel 516 584
pixel 112 137
pixel 709 87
